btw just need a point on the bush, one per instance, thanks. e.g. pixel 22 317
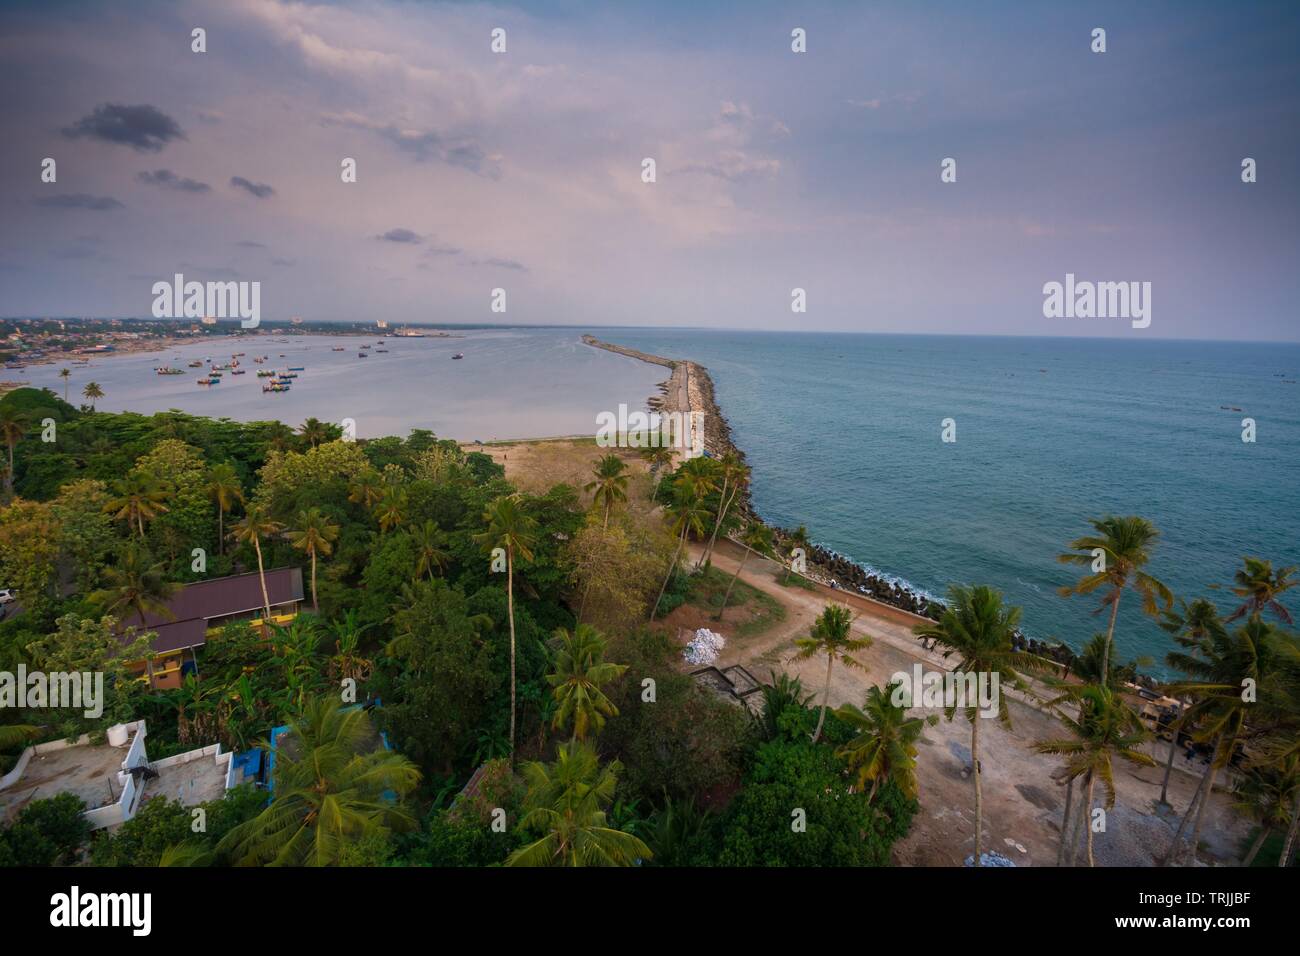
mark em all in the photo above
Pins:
pixel 46 832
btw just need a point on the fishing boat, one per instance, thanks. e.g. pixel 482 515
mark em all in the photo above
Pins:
pixel 297 368
pixel 259 360
pixel 208 381
pixel 365 346
pixel 239 371
pixel 337 348
pixel 196 365
pixel 381 350
pixel 459 355
pixel 266 373
pixel 275 387
pixel 168 370
pixel 362 355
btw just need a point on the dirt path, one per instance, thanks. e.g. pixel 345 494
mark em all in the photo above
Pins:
pixel 1022 804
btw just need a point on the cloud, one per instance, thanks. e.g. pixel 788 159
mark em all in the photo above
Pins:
pixel 278 261
pixel 79 201
pixel 250 244
pixel 260 190
pixel 424 145
pixel 144 128
pixel 401 235
pixel 169 180
pixel 506 264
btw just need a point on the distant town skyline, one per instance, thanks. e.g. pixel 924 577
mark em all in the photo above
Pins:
pixel 775 170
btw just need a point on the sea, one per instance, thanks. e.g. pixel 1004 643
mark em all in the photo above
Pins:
pixel 845 435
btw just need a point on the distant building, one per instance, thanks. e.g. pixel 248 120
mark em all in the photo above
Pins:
pixel 200 609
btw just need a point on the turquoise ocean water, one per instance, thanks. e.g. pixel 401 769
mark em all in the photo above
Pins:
pixel 844 436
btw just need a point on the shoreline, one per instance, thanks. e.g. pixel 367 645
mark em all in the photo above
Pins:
pixel 825 566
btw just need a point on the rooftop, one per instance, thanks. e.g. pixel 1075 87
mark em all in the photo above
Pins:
pixel 190 611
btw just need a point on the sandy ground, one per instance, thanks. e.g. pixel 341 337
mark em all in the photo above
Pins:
pixel 1022 804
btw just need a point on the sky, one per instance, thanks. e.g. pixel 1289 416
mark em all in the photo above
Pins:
pixel 775 170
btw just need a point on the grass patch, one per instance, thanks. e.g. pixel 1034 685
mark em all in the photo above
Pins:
pixel 761 610
pixel 797 581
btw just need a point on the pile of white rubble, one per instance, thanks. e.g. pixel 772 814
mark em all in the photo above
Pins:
pixel 703 648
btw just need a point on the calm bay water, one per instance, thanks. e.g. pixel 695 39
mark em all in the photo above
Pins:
pixel 512 383
pixel 843 433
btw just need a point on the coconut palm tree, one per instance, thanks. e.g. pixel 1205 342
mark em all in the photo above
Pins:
pixel 1255 662
pixel 687 512
pixel 335 785
pixel 580 672
pixel 884 747
pixel 1192 627
pixel 756 539
pixel 65 374
pixel 1259 585
pixel 137 498
pixel 610 484
pixel 798 539
pixel 13 425
pixel 511 530
pixel 1118 552
pixel 1104 728
pixel 659 457
pixel 314 431
pixel 566 800
pixel 431 553
pixel 391 509
pixel 977 628
pixel 831 634
pixel 257 524
pixel 315 535
pixel 224 488
pixel 91 393
pixel 1266 793
pixel 366 488
pixel 134 584
pixel 734 477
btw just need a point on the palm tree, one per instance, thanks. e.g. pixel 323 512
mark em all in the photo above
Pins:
pixel 659 457
pixel 135 585
pixel 580 672
pixel 798 539
pixel 977 628
pixel 1125 545
pixel 431 553
pixel 224 488
pixel 757 538
pixel 13 425
pixel 91 392
pixel 335 785
pixel 137 498
pixel 610 484
pixel 566 799
pixel 1260 586
pixel 315 431
pixel 510 529
pixel 885 745
pixel 314 535
pixel 365 489
pixel 1105 728
pixel 687 510
pixel 734 476
pixel 391 509
pixel 831 634
pixel 1193 627
pixel 65 374
pixel 1266 794
pixel 1257 656
pixel 257 524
